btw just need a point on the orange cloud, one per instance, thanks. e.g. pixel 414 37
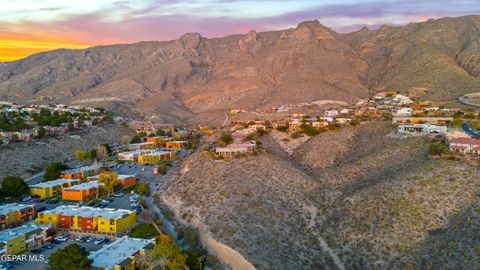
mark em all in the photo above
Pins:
pixel 16 46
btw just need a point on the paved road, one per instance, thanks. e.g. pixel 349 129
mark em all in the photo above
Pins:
pixel 465 101
pixel 466 128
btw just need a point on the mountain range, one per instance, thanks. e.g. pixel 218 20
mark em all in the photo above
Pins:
pixel 194 76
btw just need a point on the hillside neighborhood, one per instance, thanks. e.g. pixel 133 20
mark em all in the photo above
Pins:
pixel 102 200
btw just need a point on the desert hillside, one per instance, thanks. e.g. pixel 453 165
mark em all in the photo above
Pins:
pixel 195 75
pixel 355 198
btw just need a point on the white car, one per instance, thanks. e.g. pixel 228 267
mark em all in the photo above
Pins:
pixel 61 238
pixel 90 239
pixel 100 240
pixel 80 238
pixel 26 199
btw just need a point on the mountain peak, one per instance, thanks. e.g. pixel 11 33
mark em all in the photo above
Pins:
pixel 310 24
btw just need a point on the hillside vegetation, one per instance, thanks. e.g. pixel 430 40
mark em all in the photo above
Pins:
pixel 356 194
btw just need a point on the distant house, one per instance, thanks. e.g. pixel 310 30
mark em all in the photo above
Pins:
pixel 331 113
pixel 143 145
pixel 319 124
pixel 420 128
pixel 236 149
pixel 419 120
pixel 342 120
pixel 465 146
pixel 404 112
pixel 176 144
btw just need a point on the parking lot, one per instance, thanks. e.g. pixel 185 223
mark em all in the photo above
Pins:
pixel 144 173
pixel 44 254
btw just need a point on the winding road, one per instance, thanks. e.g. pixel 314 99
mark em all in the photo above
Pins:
pixel 466 128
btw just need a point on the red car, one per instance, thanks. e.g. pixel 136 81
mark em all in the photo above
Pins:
pixel 38 200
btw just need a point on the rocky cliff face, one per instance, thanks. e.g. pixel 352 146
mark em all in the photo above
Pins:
pixel 192 75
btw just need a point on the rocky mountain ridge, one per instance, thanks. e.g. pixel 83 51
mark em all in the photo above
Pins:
pixel 194 75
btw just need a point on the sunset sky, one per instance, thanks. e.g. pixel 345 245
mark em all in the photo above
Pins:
pixel 31 26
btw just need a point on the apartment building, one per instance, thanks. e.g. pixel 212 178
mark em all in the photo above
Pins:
pixel 120 254
pixel 83 172
pixel 82 192
pixel 124 181
pixel 20 239
pixel 52 188
pixel 85 218
pixel 14 213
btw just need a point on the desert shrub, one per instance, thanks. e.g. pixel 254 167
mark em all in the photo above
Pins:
pixel 283 128
pixel 309 130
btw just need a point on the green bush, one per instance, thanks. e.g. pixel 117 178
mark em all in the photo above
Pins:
pixel 283 128
pixel 309 130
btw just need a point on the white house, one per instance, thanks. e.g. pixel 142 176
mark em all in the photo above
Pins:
pixel 331 113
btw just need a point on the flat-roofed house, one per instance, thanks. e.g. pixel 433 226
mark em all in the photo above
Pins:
pixel 421 128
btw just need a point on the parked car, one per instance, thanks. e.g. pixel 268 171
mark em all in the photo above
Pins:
pixel 92 203
pixel 53 201
pixel 55 241
pixel 61 238
pixel 100 240
pixel 120 194
pixel 48 246
pixel 134 198
pixel 81 238
pixel 26 199
pixel 38 200
pixel 41 208
pixel 36 251
pixel 7 265
pixel 91 239
pixel 134 205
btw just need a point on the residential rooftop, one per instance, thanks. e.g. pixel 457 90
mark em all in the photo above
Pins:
pixel 11 207
pixel 120 176
pixel 53 183
pixel 87 211
pixel 85 168
pixel 85 186
pixel 119 252
pixel 9 234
